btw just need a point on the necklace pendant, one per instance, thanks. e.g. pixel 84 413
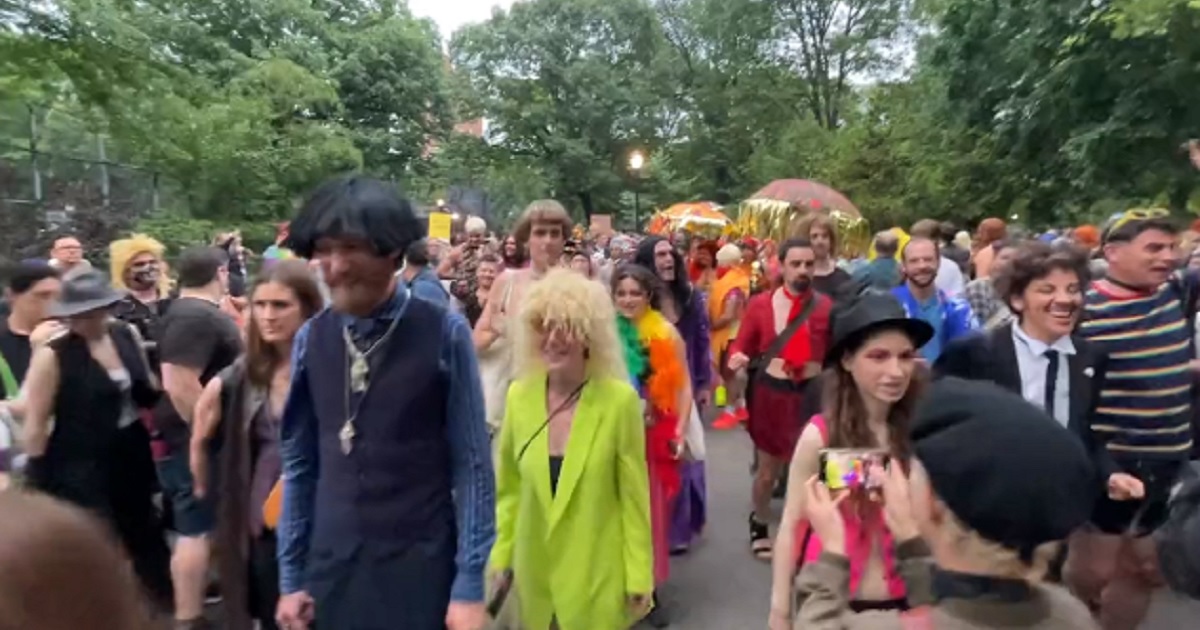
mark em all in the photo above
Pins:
pixel 346 436
pixel 360 373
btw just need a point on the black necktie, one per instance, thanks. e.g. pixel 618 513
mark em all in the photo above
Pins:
pixel 1051 380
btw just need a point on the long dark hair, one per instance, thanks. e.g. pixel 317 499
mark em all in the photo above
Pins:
pixel 646 278
pixel 519 257
pixel 680 287
pixel 846 416
pixel 263 358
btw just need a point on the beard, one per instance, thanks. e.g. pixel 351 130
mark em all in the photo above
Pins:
pixel 800 285
pixel 923 280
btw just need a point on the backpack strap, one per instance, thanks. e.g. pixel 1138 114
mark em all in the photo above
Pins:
pixel 12 388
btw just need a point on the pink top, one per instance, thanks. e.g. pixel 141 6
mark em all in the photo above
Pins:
pixel 860 530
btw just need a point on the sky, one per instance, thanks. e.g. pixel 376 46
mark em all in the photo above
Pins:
pixel 451 14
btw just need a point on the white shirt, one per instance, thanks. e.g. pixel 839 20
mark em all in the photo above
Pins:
pixel 949 278
pixel 1033 363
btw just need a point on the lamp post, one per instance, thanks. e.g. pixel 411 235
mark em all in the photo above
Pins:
pixel 636 162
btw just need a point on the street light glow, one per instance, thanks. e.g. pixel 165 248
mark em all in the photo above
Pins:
pixel 455 216
pixel 441 202
pixel 636 160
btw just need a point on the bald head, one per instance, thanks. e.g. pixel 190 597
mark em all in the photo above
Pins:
pixel 61 570
pixel 886 244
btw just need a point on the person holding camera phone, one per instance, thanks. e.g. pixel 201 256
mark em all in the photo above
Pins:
pixel 968 558
pixel 871 384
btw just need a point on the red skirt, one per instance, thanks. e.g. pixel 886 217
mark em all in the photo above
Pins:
pixel 776 408
pixel 663 469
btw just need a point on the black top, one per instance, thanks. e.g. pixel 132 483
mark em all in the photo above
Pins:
pixel 830 284
pixel 556 462
pixel 81 457
pixel 16 351
pixel 193 333
pixel 144 316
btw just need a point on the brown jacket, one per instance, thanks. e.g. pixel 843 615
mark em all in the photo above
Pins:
pixel 826 585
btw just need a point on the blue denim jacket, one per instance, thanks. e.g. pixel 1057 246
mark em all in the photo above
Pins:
pixel 466 432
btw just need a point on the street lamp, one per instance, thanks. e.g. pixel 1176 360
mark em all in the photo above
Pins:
pixel 636 162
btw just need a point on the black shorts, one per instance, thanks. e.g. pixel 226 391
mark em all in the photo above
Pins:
pixel 1139 518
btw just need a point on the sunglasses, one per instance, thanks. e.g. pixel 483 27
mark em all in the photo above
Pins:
pixel 1134 215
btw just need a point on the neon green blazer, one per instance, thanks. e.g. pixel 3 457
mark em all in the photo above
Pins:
pixel 578 553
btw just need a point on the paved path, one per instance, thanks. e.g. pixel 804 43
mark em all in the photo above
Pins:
pixel 720 586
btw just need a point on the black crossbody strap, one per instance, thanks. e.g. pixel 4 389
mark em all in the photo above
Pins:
pixel 786 334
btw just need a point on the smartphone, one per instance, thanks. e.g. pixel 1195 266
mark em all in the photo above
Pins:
pixel 848 469
pixel 496 601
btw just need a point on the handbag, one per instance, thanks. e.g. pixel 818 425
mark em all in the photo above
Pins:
pixel 760 363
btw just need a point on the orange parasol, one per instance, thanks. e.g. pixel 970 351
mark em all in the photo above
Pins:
pixel 696 217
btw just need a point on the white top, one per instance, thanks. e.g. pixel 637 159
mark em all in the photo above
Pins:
pixel 120 377
pixel 949 278
pixel 1033 363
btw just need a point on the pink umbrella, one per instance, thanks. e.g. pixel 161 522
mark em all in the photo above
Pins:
pixel 803 193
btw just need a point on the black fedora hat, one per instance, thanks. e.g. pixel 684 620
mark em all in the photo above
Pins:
pixel 84 292
pixel 867 314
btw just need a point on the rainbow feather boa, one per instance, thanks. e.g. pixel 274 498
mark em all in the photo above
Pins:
pixel 654 365
pixel 653 359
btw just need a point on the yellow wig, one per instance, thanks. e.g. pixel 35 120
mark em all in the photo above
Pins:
pixel 582 307
pixel 122 252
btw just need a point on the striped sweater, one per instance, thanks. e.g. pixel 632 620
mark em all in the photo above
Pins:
pixel 1145 401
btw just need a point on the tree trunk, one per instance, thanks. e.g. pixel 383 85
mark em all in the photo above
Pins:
pixel 585 201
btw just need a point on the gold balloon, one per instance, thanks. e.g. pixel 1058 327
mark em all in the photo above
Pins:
pixel 777 220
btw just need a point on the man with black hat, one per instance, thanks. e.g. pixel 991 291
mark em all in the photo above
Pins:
pixel 1031 484
pixel 388 502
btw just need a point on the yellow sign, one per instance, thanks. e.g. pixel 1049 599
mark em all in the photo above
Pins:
pixel 439 226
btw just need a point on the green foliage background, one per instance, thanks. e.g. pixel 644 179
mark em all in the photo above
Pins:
pixel 1057 112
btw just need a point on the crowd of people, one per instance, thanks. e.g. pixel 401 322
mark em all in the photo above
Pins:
pixel 386 431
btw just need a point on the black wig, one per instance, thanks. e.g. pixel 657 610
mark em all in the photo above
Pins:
pixel 680 287
pixel 356 207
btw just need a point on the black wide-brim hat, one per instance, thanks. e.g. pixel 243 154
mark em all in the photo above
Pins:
pixel 867 315
pixel 85 292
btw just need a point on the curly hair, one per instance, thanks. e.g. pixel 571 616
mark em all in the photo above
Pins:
pixel 1035 260
pixel 122 252
pixel 566 300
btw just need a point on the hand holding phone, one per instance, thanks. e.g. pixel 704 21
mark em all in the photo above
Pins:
pixel 853 469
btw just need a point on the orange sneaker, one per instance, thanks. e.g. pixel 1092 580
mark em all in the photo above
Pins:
pixel 728 420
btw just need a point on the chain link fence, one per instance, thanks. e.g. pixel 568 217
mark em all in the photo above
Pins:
pixel 57 176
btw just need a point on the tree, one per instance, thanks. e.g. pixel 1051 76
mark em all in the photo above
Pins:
pixel 832 42
pixel 730 92
pixel 1068 105
pixel 569 84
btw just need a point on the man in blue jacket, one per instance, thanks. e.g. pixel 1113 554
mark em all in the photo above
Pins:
pixel 388 494
pixel 951 317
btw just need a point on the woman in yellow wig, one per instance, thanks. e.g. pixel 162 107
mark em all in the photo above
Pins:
pixel 572 493
pixel 137 266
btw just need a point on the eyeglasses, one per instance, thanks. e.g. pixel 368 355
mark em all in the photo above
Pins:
pixel 1130 216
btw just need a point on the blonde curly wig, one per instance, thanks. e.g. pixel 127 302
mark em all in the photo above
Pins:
pixel 582 307
pixel 122 252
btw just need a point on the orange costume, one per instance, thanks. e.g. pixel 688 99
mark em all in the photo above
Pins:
pixel 729 281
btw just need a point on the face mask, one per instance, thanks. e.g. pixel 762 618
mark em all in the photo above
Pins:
pixel 144 277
